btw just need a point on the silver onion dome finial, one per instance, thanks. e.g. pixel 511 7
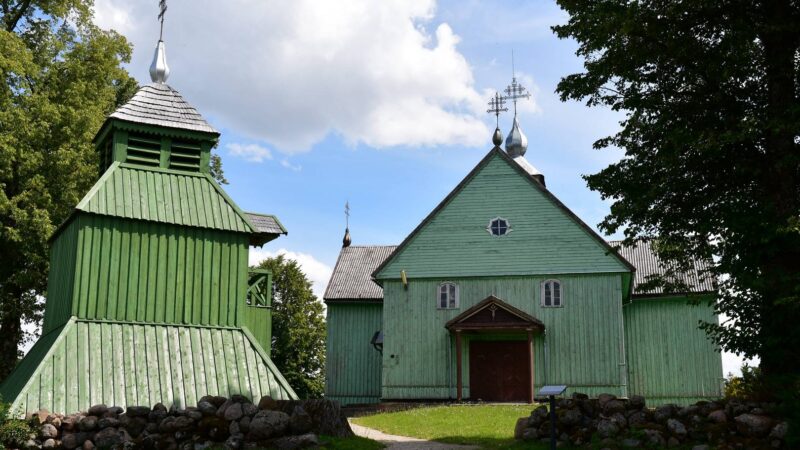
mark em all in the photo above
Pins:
pixel 159 70
pixel 346 241
pixel 516 142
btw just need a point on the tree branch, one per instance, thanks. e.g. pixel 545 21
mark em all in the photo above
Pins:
pixel 21 10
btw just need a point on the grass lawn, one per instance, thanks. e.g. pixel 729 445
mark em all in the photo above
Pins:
pixel 488 426
pixel 353 443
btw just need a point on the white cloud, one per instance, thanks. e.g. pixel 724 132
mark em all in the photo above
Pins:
pixel 317 272
pixel 249 152
pixel 285 163
pixel 290 73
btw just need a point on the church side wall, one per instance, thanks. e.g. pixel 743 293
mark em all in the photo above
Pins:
pixel 353 365
pixel 670 359
pixel 584 337
pixel 133 270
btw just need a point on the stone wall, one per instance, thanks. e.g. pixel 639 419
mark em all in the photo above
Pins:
pixel 232 423
pixel 609 422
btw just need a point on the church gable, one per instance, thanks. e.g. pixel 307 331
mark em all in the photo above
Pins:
pixel 541 235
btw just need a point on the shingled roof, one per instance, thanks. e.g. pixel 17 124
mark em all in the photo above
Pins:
pixel 352 281
pixel 648 264
pixel 352 276
pixel 265 223
pixel 159 104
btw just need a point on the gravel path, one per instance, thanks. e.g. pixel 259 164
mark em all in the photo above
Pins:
pixel 404 442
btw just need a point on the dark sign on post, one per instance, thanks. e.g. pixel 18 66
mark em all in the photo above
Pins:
pixel 552 391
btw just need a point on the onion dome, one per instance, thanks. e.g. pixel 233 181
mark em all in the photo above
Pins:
pixel 346 241
pixel 159 70
pixel 516 142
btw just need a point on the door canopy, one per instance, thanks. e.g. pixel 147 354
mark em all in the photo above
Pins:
pixel 493 314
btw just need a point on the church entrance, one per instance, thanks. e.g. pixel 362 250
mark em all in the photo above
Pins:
pixel 499 371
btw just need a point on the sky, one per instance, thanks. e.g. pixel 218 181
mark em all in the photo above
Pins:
pixel 379 104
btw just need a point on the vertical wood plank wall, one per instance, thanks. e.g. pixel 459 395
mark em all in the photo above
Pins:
pixel 671 360
pixel 584 337
pixel 353 365
pixel 61 280
pixel 139 271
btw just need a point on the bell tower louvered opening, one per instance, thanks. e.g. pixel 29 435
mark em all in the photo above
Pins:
pixel 185 155
pixel 143 150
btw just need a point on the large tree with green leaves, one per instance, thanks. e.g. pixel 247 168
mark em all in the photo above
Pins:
pixel 62 77
pixel 298 328
pixel 711 135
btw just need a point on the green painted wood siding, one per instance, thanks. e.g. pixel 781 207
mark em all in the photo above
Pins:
pixel 158 195
pixel 584 337
pixel 353 365
pixel 61 279
pixel 125 364
pixel 671 360
pixel 544 238
pixel 132 270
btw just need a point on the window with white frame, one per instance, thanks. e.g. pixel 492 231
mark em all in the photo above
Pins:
pixel 448 296
pixel 498 227
pixel 551 293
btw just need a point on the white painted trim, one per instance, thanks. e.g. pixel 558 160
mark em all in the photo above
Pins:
pixel 560 293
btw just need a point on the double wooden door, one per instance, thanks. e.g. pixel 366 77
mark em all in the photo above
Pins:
pixel 499 371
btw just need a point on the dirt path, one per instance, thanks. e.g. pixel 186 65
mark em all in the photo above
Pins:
pixel 403 442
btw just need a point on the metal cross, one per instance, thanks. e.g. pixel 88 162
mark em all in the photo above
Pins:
pixel 162 5
pixel 347 213
pixel 496 106
pixel 515 90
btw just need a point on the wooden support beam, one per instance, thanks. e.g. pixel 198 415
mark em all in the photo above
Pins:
pixel 459 376
pixel 531 365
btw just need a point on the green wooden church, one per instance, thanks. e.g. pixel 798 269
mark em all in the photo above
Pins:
pixel 501 290
pixel 149 297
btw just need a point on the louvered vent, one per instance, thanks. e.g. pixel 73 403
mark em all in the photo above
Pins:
pixel 105 156
pixel 185 155
pixel 143 150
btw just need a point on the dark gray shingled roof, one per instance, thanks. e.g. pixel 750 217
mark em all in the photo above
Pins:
pixel 647 264
pixel 265 223
pixel 351 279
pixel 159 104
pixel 352 276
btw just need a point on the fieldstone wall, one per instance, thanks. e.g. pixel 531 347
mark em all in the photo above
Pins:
pixel 216 422
pixel 628 423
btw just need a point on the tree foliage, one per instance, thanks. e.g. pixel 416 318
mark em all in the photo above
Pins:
pixel 298 328
pixel 709 90
pixel 63 76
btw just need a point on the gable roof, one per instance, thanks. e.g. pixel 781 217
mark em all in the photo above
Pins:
pixel 649 265
pixel 501 316
pixel 352 277
pixel 160 104
pixel 536 184
pixel 266 223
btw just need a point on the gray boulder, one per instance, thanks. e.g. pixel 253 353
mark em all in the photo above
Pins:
pixel 676 428
pixel 233 412
pixel 636 402
pixel 293 442
pixel 73 440
pixel 48 431
pixel 718 416
pixel 538 416
pixel 779 431
pixel 753 425
pixel 49 443
pixel 97 410
pixel 664 412
pixel 300 421
pixel 607 428
pixel 206 408
pixel 88 423
pixel 267 424
pixel 110 437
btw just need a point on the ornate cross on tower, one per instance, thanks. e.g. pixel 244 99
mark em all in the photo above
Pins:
pixel 496 106
pixel 346 240
pixel 515 90
pixel 162 6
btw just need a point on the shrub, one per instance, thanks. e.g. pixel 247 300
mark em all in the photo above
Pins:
pixel 13 432
pixel 748 386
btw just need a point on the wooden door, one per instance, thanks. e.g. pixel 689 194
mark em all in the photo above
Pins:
pixel 499 371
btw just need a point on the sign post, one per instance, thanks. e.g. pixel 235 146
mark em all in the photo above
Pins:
pixel 551 392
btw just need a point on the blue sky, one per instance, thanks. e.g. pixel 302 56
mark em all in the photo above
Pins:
pixel 381 104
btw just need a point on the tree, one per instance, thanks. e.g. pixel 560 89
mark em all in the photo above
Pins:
pixel 63 76
pixel 712 160
pixel 298 328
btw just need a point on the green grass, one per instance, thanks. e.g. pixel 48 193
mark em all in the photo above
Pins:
pixel 352 443
pixel 487 426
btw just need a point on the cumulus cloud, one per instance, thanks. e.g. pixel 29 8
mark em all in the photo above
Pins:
pixel 249 152
pixel 317 272
pixel 290 73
